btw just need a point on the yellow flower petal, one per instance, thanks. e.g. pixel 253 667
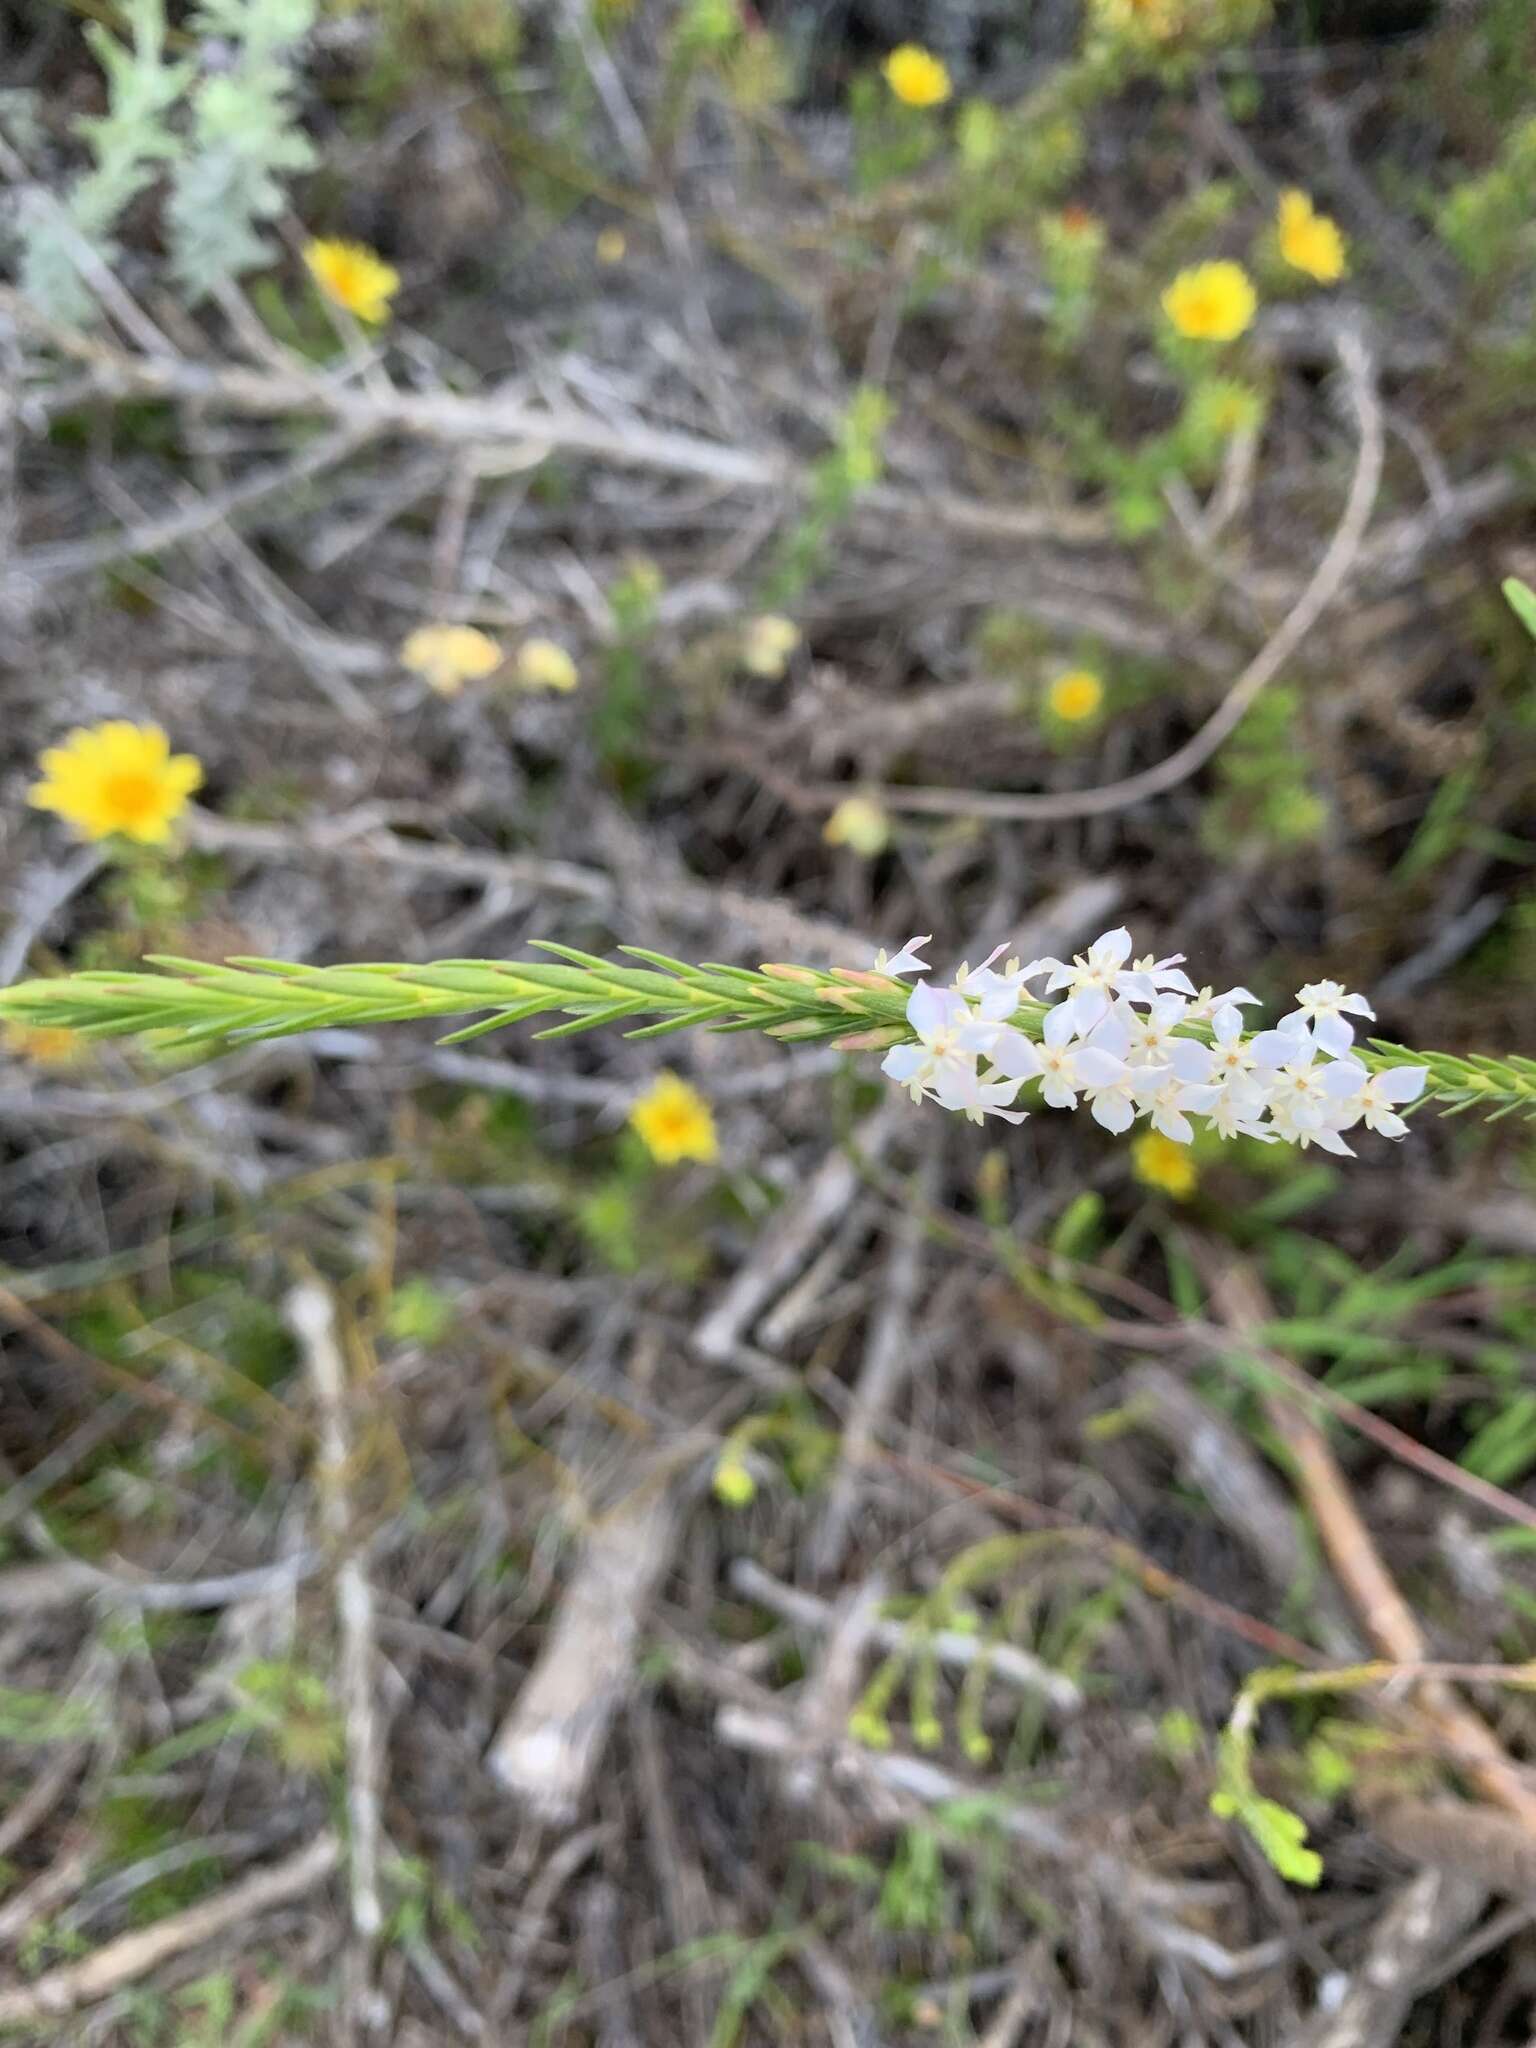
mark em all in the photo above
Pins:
pixel 1211 302
pixel 916 76
pixel 767 644
pixel 353 277
pixel 674 1122
pixel 1310 241
pixel 545 665
pixel 116 779
pixel 860 824
pixel 448 657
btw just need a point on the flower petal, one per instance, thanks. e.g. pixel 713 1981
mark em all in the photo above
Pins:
pixel 1402 1084
pixel 1332 1033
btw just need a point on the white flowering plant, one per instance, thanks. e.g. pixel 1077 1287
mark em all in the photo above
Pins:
pixel 1128 1038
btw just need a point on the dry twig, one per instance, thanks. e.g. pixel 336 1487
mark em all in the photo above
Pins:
pixel 1429 1915
pixel 311 1313
pixel 134 1955
pixel 549 1745
pixel 1004 1661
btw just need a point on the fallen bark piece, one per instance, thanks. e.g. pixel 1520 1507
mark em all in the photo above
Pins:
pixel 548 1747
pixel 134 1955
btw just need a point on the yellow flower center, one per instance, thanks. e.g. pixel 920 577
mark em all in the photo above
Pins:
pixel 1211 302
pixel 131 796
pixel 674 1122
pixel 1075 696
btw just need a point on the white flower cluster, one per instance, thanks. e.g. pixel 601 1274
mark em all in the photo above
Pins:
pixel 1115 1042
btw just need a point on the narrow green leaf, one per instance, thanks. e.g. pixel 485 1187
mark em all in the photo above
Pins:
pixel 1521 600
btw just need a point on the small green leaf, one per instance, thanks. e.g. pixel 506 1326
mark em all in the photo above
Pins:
pixel 1279 1833
pixel 1522 602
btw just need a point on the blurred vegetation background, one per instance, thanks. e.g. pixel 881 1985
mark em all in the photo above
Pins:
pixel 599 1543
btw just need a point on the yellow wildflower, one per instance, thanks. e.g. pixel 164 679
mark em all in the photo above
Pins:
pixel 545 665
pixel 1075 696
pixel 733 1483
pixel 116 778
pixel 1211 302
pixel 45 1045
pixel 1309 240
pixel 353 277
pixel 860 824
pixel 611 246
pixel 1159 1163
pixel 768 643
pixel 448 657
pixel 674 1121
pixel 916 76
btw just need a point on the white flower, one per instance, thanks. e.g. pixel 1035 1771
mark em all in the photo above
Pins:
pixel 949 1039
pixel 1012 1053
pixel 1238 1110
pixel 1172 1098
pixel 1288 1125
pixel 1231 1056
pixel 1149 1041
pixel 998 994
pixel 1304 1097
pixel 1374 1094
pixel 1153 975
pixel 907 960
pixel 1269 1050
pixel 1322 1004
pixel 1115 1091
pixel 1058 1069
pixel 1207 1003
pixel 1151 1035
pixel 977 1097
pixel 1093 978
pixel 1120 1040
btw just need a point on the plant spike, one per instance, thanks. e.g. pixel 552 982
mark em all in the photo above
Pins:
pixel 190 1005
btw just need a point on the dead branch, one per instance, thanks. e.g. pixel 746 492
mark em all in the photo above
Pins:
pixel 888 1357
pixel 134 1955
pixel 789 1241
pixel 549 1745
pixel 1428 1915
pixel 311 1314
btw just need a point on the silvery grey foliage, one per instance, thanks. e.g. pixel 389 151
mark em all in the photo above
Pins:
pixel 244 137
pixel 220 125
